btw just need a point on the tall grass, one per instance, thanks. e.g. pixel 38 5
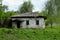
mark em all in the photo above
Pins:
pixel 30 34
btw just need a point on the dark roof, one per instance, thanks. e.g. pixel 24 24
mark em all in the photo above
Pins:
pixel 28 15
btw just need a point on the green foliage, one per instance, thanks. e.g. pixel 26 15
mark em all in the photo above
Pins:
pixel 53 7
pixel 10 13
pixel 45 13
pixel 30 34
pixel 5 16
pixel 50 8
pixel 26 7
pixel 2 13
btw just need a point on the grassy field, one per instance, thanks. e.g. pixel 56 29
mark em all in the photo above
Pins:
pixel 30 34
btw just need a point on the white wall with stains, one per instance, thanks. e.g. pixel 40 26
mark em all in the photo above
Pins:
pixel 32 23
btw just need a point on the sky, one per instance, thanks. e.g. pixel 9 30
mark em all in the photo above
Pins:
pixel 39 5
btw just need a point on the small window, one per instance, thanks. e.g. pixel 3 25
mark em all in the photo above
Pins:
pixel 27 22
pixel 37 22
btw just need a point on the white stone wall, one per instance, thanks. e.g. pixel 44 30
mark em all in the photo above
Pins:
pixel 32 23
pixel 14 25
pixel 42 23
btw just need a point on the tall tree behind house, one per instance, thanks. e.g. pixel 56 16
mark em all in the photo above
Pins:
pixel 26 7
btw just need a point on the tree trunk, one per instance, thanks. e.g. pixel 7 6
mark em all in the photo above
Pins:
pixel 51 24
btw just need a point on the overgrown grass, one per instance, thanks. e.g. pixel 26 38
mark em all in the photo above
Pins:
pixel 30 34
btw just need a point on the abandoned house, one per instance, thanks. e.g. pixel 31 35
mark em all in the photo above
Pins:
pixel 28 20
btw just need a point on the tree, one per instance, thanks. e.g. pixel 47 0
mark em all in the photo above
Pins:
pixel 53 7
pixel 26 7
pixel 57 3
pixel 2 13
pixel 7 18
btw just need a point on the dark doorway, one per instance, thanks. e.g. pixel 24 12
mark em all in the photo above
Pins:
pixel 18 24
